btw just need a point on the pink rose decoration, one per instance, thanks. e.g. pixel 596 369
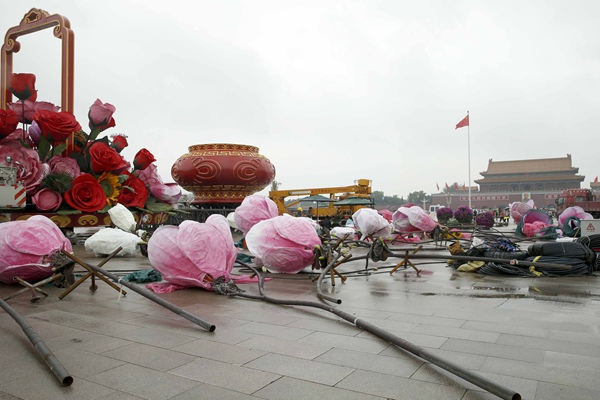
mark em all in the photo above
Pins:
pixel 65 165
pixel 30 108
pixel 47 200
pixel 168 193
pixel 18 134
pixel 27 248
pixel 192 254
pixel 29 168
pixel 254 208
pixel 100 115
pixel 150 175
pixel 283 244
pixel 35 133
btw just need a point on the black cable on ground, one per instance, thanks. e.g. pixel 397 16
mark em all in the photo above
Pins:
pixel 578 267
pixel 593 243
pixel 563 249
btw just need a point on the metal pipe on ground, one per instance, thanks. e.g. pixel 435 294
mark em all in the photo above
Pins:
pixel 476 379
pixel 146 293
pixel 55 366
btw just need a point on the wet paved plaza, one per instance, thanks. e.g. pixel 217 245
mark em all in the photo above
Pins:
pixel 537 336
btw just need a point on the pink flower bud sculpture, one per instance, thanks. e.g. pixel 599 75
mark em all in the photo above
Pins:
pixel 254 208
pixel 420 219
pixel 28 247
pixel 283 244
pixel 192 254
pixel 518 209
pixel 573 211
pixel 401 222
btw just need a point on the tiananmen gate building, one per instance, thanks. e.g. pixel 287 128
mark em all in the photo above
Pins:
pixel 506 182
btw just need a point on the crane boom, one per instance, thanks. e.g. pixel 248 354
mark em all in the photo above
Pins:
pixel 361 188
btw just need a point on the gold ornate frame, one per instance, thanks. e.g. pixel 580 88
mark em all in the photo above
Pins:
pixel 36 20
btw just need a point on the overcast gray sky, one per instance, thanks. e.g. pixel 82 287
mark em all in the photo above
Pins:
pixel 333 91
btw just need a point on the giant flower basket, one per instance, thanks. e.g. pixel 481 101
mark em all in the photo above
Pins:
pixel 73 175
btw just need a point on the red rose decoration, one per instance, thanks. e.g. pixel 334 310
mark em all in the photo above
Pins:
pixel 86 194
pixel 105 158
pixel 56 126
pixel 143 159
pixel 134 192
pixel 8 122
pixel 119 142
pixel 23 86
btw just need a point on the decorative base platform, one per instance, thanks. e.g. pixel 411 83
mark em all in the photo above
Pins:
pixel 85 220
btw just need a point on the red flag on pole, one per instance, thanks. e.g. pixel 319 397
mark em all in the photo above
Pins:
pixel 438 186
pixel 447 187
pixel 596 180
pixel 463 122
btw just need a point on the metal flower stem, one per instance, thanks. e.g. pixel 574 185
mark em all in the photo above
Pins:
pixel 146 293
pixel 476 379
pixel 55 366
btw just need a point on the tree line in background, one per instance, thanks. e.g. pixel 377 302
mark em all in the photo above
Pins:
pixel 414 197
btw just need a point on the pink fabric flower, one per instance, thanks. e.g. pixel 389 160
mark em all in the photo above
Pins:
pixel 254 208
pixel 47 200
pixel 531 229
pixel 27 248
pixel 65 165
pixel 35 133
pixel 400 221
pixel 387 214
pixel 18 134
pixel 283 244
pixel 420 219
pixel 573 211
pixel 370 222
pixel 192 254
pixel 100 115
pixel 29 108
pixel 518 209
pixel 168 193
pixel 29 168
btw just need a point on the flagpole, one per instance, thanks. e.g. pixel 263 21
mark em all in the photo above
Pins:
pixel 469 151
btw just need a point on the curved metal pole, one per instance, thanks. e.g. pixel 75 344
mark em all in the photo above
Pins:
pixel 55 366
pixel 146 293
pixel 476 379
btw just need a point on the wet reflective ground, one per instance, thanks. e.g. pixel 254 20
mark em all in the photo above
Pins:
pixel 537 336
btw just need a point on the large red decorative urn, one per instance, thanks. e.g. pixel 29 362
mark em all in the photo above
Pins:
pixel 219 173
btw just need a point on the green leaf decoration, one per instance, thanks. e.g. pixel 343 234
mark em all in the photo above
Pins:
pixel 159 207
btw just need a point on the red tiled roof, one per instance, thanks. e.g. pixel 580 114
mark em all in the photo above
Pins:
pixel 561 164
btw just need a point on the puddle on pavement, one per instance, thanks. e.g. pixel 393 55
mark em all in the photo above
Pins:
pixel 574 296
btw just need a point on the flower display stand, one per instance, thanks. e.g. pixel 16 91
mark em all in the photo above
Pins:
pixel 93 274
